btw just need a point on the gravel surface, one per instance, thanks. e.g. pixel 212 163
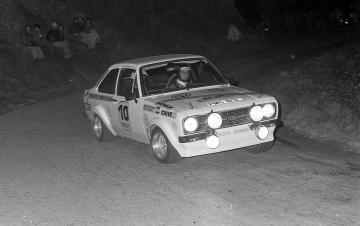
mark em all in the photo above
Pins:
pixel 54 172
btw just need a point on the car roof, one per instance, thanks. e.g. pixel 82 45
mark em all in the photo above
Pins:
pixel 139 62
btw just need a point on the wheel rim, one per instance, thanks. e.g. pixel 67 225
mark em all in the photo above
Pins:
pixel 159 145
pixel 97 126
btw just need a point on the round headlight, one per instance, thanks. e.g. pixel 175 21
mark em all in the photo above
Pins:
pixel 262 132
pixel 268 110
pixel 256 113
pixel 212 141
pixel 191 124
pixel 214 120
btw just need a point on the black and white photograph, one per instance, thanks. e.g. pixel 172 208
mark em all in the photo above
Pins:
pixel 179 112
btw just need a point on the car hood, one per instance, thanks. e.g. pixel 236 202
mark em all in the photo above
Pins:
pixel 207 99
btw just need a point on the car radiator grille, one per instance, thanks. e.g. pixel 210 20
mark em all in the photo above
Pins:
pixel 235 117
pixel 230 118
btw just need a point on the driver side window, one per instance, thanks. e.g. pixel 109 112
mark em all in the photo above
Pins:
pixel 107 85
pixel 127 85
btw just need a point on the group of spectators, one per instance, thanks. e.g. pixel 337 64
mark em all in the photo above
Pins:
pixel 81 28
pixel 86 30
pixel 309 20
pixel 297 21
pixel 348 16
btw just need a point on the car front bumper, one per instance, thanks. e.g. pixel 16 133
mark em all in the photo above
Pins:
pixel 230 138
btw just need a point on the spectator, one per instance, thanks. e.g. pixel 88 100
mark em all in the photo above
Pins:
pixel 89 36
pixel 81 21
pixel 29 41
pixel 233 33
pixel 76 26
pixel 263 26
pixel 61 32
pixel 353 14
pixel 38 35
pixel 336 16
pixel 57 38
pixel 88 25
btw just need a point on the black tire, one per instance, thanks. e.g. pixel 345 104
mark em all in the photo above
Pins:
pixel 162 149
pixel 100 130
pixel 260 148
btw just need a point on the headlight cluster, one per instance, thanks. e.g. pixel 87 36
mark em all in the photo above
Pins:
pixel 262 132
pixel 257 112
pixel 212 141
pixel 191 124
pixel 214 121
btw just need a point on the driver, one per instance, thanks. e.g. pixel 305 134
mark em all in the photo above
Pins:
pixel 183 79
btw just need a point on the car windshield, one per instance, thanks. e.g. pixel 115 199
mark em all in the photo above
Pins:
pixel 180 74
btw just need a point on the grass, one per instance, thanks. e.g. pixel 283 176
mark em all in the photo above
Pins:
pixel 321 99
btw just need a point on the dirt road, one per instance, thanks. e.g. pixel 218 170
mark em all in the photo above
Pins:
pixel 53 172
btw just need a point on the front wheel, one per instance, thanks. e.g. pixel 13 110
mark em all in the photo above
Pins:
pixel 163 150
pixel 260 148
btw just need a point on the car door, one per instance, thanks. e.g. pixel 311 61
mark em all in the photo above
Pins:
pixel 129 105
pixel 106 93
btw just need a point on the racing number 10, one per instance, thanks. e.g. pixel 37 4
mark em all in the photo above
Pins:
pixel 124 112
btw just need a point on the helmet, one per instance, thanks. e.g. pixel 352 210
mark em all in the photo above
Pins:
pixel 184 73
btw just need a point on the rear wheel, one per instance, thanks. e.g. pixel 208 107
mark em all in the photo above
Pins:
pixel 260 148
pixel 100 130
pixel 163 150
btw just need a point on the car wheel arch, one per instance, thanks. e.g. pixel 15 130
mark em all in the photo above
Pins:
pixel 104 116
pixel 172 155
pixel 165 128
pixel 152 128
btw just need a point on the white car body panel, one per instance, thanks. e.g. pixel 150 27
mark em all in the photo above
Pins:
pixel 168 110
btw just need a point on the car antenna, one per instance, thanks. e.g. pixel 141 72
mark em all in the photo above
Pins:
pixel 191 106
pixel 261 93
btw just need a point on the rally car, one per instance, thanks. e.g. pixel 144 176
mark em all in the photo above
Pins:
pixel 136 99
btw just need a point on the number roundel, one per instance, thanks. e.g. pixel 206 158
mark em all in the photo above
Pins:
pixel 124 111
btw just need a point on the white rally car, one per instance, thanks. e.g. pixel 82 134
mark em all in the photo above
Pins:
pixel 136 99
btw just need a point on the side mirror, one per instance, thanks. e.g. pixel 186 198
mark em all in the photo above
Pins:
pixel 233 81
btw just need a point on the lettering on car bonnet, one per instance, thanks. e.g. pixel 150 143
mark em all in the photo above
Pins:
pixel 225 101
pixel 182 95
pixel 164 105
pixel 149 108
pixel 168 113
pixel 216 96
